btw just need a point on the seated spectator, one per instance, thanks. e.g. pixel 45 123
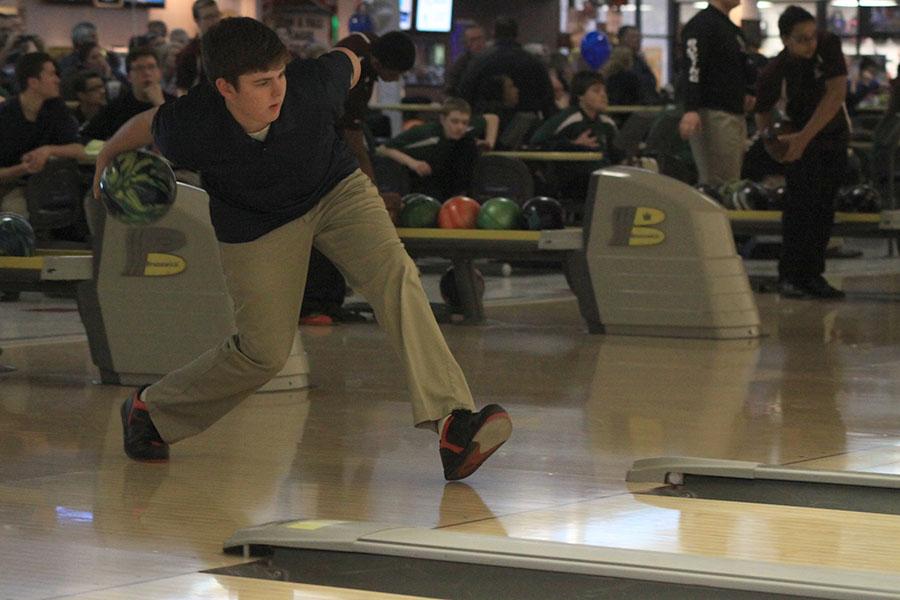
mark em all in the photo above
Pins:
pixel 158 31
pixel 440 155
pixel 168 64
pixel 84 34
pixel 496 102
pixel 560 89
pixel 144 92
pixel 862 87
pixel 35 126
pixel 15 45
pixel 179 37
pixel 91 93
pixel 92 57
pixel 581 127
pixel 623 86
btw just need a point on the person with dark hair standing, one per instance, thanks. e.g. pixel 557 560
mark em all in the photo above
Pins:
pixel 35 126
pixel 507 57
pixel 264 136
pixel 811 72
pixel 475 42
pixel 630 37
pixel 718 90
pixel 144 92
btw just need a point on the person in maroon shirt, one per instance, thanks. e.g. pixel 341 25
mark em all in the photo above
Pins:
pixel 811 73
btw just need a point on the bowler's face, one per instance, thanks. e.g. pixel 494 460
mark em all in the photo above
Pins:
pixel 260 95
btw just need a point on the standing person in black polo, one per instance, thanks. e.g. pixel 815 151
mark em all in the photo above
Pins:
pixel 811 72
pixel 718 91
pixel 280 178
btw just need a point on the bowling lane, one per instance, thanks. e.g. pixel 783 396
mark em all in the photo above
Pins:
pixel 786 535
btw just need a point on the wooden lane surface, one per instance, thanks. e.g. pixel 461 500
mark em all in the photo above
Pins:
pixel 769 533
pixel 885 460
pixel 76 516
pixel 200 586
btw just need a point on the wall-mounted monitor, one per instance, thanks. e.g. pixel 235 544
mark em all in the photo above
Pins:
pixel 146 3
pixel 406 11
pixel 434 15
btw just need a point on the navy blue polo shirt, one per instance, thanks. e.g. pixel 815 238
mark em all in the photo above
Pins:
pixel 255 187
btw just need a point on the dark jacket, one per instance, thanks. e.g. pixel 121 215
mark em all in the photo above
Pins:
pixel 717 72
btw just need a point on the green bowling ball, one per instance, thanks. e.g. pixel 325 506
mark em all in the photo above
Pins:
pixel 412 197
pixel 138 187
pixel 16 235
pixel 500 213
pixel 420 211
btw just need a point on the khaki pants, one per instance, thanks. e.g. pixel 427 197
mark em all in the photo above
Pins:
pixel 12 199
pixel 719 147
pixel 266 278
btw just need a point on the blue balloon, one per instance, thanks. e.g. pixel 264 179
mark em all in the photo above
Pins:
pixel 361 22
pixel 595 49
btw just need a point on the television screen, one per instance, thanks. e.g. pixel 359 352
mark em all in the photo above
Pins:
pixel 434 15
pixel 406 7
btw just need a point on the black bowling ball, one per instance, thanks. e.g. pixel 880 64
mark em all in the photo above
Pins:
pixel 542 212
pixel 777 197
pixel 751 196
pixel 862 198
pixel 709 191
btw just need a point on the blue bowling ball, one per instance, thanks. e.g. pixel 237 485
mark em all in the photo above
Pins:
pixel 16 235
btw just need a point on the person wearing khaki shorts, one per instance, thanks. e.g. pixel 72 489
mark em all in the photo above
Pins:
pixel 281 180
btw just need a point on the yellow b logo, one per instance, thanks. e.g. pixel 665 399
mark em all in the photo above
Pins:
pixel 632 226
